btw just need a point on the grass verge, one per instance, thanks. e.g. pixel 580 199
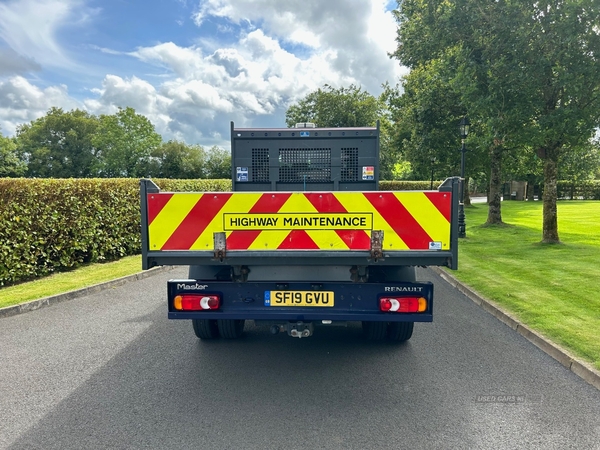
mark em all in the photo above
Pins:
pixel 59 283
pixel 551 288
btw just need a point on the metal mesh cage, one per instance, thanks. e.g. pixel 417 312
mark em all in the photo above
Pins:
pixel 297 165
pixel 349 164
pixel 260 165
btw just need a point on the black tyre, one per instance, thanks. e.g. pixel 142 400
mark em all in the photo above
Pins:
pixel 375 331
pixel 231 328
pixel 400 331
pixel 205 328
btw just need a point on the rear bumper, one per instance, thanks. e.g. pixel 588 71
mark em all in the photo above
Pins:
pixel 352 301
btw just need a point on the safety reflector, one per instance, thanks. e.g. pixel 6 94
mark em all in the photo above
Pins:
pixel 403 304
pixel 196 302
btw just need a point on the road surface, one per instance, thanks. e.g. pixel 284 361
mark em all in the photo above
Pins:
pixel 110 371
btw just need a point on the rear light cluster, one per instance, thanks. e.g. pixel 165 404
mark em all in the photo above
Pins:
pixel 403 304
pixel 196 302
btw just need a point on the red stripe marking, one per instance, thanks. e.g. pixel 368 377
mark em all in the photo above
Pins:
pixel 326 202
pixel 355 239
pixel 156 202
pixel 196 221
pixel 399 219
pixel 241 239
pixel 267 203
pixel 441 200
pixel 298 240
pixel 270 203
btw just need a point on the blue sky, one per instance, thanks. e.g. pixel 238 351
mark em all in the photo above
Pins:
pixel 189 66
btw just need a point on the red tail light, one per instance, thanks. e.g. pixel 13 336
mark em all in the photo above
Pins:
pixel 196 302
pixel 403 304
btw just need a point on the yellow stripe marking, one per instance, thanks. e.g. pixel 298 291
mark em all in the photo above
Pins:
pixel 327 240
pixel 269 240
pixel 428 216
pixel 169 218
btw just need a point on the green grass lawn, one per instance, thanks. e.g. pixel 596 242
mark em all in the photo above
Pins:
pixel 552 288
pixel 81 277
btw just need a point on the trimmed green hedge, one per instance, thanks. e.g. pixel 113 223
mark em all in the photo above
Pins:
pixel 408 185
pixel 49 225
pixel 586 190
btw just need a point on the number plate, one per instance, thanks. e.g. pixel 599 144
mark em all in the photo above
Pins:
pixel 298 298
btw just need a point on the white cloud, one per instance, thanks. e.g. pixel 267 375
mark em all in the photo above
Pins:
pixel 22 102
pixel 356 35
pixel 183 61
pixel 131 92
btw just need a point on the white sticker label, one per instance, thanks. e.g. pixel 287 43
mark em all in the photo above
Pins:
pixel 241 174
pixel 368 173
pixel 435 246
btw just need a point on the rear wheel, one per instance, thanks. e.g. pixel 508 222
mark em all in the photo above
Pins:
pixel 205 328
pixel 400 331
pixel 231 328
pixel 375 331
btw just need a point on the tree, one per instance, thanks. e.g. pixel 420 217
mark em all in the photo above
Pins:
pixel 426 120
pixel 330 107
pixel 175 159
pixel 125 141
pixel 562 58
pixel 469 45
pixel 218 163
pixel 10 163
pixel 59 144
pixel 345 107
pixel 526 71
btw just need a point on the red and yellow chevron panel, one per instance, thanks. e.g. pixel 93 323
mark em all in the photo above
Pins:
pixel 317 221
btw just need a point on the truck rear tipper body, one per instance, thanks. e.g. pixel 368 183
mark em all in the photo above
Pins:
pixel 304 239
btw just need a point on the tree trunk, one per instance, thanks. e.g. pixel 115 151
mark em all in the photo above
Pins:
pixel 467 201
pixel 550 221
pixel 495 195
pixel 530 189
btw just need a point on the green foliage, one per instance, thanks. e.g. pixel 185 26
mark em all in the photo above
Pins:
pixel 125 141
pixel 585 190
pixel 402 170
pixel 210 185
pixel 330 107
pixel 76 144
pixel 10 163
pixel 526 72
pixel 175 159
pixel 55 224
pixel 50 225
pixel 403 185
pixel 59 144
pixel 425 119
pixel 178 160
pixel 580 163
pixel 218 163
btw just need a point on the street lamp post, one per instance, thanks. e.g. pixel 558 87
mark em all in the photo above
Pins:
pixel 432 167
pixel 463 128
